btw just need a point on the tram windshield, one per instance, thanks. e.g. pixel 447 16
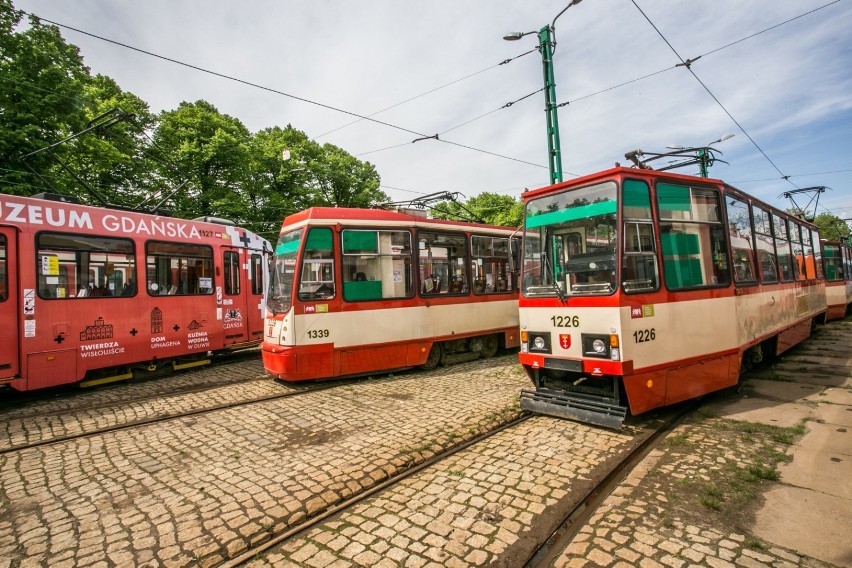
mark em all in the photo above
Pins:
pixel 570 243
pixel 284 272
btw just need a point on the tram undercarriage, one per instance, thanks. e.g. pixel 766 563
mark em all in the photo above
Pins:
pixel 569 394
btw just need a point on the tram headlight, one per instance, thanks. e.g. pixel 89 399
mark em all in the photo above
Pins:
pixel 539 342
pixel 596 345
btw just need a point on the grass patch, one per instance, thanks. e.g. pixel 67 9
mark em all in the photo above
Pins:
pixel 721 468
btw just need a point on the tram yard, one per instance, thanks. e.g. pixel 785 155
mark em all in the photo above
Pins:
pixel 216 476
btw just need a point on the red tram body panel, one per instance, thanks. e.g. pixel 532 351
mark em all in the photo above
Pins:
pixel 642 289
pixel 73 309
pixel 359 291
pixel 837 258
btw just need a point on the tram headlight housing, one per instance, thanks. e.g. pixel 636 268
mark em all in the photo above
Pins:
pixel 539 342
pixel 596 345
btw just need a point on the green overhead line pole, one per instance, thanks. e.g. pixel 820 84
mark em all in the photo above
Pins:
pixel 546 45
pixel 554 151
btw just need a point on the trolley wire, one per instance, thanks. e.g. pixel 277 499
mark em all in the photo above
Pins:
pixel 687 63
pixel 429 92
pixel 613 87
pixel 279 92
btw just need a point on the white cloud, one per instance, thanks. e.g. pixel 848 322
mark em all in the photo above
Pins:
pixel 789 87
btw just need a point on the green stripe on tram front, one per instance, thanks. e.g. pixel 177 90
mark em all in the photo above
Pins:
pixel 572 214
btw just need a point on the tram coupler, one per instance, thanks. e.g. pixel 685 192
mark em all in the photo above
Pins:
pixel 586 408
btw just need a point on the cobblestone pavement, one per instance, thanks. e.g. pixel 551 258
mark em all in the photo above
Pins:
pixel 700 499
pixel 197 490
pixel 643 522
pixel 476 508
pixel 128 403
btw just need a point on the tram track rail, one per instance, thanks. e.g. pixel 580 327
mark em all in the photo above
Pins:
pixel 548 549
pixel 22 403
pixel 176 416
pixel 355 500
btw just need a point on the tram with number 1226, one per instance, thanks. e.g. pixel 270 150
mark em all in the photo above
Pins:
pixel 642 288
pixel 92 295
pixel 360 291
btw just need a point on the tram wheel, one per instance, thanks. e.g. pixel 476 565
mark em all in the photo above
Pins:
pixel 489 346
pixel 436 354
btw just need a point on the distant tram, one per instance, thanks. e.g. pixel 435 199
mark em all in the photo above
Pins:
pixel 95 295
pixel 642 288
pixel 359 291
pixel 837 256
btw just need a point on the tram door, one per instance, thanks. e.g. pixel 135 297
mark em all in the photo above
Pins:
pixel 234 307
pixel 242 294
pixel 9 302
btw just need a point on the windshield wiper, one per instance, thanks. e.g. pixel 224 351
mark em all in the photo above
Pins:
pixel 550 272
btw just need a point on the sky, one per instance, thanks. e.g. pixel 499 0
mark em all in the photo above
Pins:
pixel 782 88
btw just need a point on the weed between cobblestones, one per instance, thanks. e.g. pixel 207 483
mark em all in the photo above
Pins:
pixel 735 462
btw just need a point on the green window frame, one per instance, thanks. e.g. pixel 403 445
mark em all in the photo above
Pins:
pixel 376 264
pixel 692 237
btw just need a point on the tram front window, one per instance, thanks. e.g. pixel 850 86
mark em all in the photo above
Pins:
pixel 570 243
pixel 283 272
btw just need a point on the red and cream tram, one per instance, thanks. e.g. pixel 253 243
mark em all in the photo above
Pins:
pixel 642 288
pixel 95 295
pixel 837 257
pixel 359 291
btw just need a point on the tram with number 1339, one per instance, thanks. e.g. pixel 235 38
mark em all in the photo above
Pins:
pixel 360 291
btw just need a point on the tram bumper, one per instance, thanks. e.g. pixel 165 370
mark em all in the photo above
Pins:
pixel 586 408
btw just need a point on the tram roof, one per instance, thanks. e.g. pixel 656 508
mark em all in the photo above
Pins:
pixel 621 172
pixel 332 215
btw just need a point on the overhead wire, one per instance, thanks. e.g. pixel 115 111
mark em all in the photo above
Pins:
pixel 684 63
pixel 429 92
pixel 278 92
pixel 687 63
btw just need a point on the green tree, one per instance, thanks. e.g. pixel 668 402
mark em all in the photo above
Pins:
pixel 335 178
pixel 210 152
pixel 492 208
pixel 831 227
pixel 42 81
pixel 275 186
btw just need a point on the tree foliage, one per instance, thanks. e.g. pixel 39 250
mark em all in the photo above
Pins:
pixel 832 227
pixel 491 208
pixel 209 162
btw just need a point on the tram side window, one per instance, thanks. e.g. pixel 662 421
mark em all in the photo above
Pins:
pixel 639 272
pixel 256 274
pixel 4 273
pixel 231 263
pixel 692 237
pixel 443 263
pixel 817 255
pixel 317 281
pixel 796 246
pixel 490 265
pixel 833 262
pixel 178 269
pixel 77 266
pixel 740 229
pixel 765 245
pixel 808 253
pixel 376 265
pixel 782 248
